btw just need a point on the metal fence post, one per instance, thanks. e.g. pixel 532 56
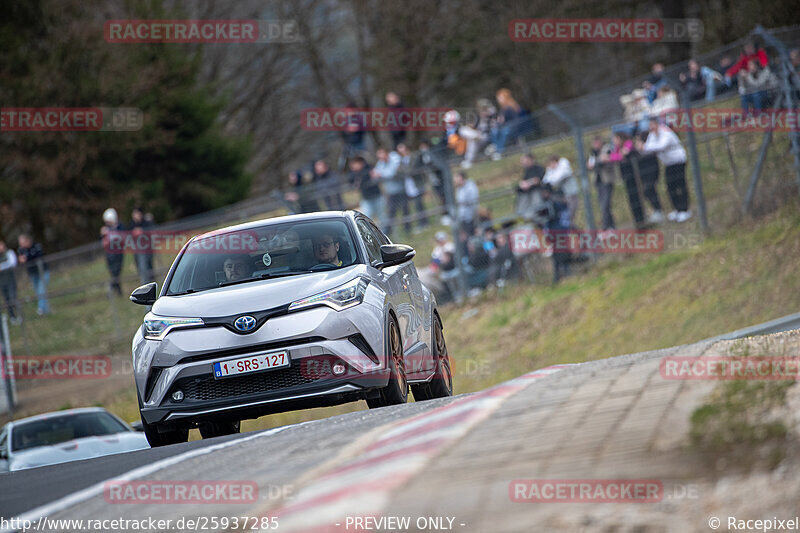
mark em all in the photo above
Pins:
pixel 584 181
pixel 7 362
pixel 698 182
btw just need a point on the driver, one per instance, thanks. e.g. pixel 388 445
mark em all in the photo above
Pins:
pixel 326 248
pixel 237 267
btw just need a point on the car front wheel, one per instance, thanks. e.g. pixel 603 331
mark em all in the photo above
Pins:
pixel 396 390
pixel 158 438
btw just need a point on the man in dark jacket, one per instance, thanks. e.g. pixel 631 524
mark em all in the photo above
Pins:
pixel 31 255
pixel 370 188
pixel 114 256
pixel 141 225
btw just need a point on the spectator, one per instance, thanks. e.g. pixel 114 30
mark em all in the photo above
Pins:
pixel 605 176
pixel 754 82
pixel 393 186
pixel 329 185
pixel 31 255
pixel 636 112
pixel 114 258
pixel 559 176
pixel 693 81
pixel 666 144
pixel 394 103
pixel 528 196
pixel 354 131
pixel 141 225
pixel 461 139
pixel 749 52
pixel 301 193
pixel 430 164
pixel 554 213
pixel 794 57
pixel 467 198
pixel 667 100
pixel 414 184
pixel 503 263
pixel 620 155
pixel 8 281
pixel 649 170
pixel 443 264
pixel 486 122
pixel 701 81
pixel 507 121
pixel 370 188
pixel 654 82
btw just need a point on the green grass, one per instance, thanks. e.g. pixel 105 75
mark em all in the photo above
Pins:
pixel 741 274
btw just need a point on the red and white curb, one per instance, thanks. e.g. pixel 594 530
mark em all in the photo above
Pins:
pixel 361 487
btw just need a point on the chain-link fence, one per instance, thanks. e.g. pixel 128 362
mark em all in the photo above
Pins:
pixel 613 183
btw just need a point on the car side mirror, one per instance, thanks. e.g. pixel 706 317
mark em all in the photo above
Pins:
pixel 146 294
pixel 395 254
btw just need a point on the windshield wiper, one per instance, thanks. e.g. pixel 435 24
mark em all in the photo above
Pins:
pixel 187 291
pixel 266 275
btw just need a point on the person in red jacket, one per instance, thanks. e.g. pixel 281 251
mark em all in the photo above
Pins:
pixel 749 52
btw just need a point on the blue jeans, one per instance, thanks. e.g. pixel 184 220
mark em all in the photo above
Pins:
pixel 756 100
pixel 373 207
pixel 40 286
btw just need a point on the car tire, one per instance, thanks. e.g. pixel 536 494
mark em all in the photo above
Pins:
pixel 396 390
pixel 209 430
pixel 441 385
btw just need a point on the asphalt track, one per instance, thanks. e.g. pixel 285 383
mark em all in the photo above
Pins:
pixel 396 462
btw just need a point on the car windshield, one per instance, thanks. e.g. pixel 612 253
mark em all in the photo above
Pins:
pixel 273 250
pixel 61 428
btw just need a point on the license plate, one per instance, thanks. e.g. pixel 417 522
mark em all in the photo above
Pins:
pixel 252 363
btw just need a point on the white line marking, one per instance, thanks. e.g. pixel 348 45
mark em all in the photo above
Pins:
pixel 75 498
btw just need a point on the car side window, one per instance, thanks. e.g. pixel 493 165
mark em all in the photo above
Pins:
pixel 370 241
pixel 382 239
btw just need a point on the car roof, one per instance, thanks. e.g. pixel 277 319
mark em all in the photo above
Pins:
pixel 317 215
pixel 53 414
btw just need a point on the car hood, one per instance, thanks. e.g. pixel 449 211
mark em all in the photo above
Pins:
pixel 75 450
pixel 254 296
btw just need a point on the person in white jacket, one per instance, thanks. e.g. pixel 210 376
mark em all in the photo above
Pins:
pixel 662 141
pixel 559 176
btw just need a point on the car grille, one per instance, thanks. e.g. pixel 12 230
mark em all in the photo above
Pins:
pixel 207 388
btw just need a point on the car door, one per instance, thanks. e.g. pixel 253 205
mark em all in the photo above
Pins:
pixel 411 306
pixel 4 453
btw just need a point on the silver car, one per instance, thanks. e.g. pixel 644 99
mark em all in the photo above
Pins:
pixel 62 436
pixel 281 314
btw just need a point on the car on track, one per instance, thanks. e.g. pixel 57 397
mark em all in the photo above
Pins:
pixel 63 436
pixel 281 314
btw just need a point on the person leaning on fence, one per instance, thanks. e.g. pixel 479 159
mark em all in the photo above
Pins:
pixel 369 187
pixel 528 187
pixel 414 183
pixel 114 258
pixel 554 215
pixel 467 201
pixel 754 83
pixel 8 281
pixel 649 170
pixel 31 255
pixel 431 165
pixel 559 176
pixel 667 146
pixel 605 176
pixel 394 187
pixel 329 185
pixel 300 196
pixel 620 158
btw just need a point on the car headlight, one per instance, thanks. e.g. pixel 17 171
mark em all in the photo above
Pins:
pixel 338 298
pixel 155 327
